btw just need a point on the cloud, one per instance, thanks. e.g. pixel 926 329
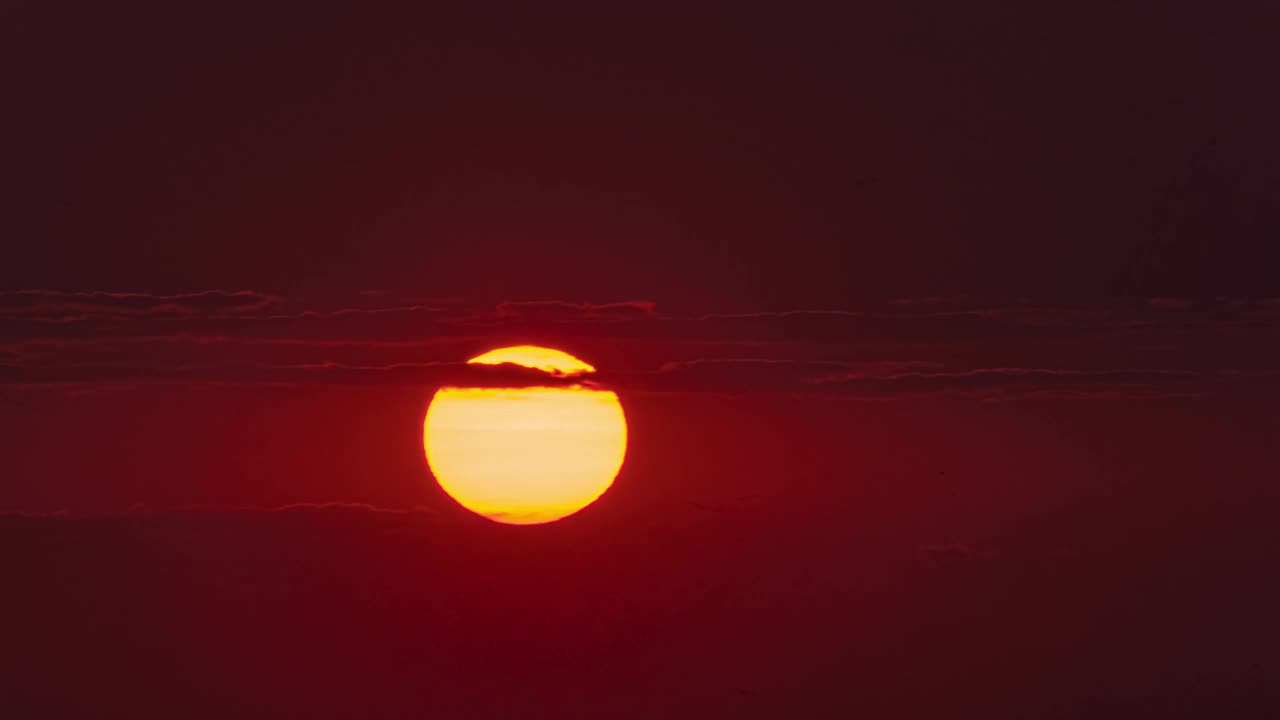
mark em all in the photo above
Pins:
pixel 564 308
pixel 57 305
pixel 746 375
pixel 1009 376
pixel 784 314
pixel 140 510
pixel 424 374
pixel 944 555
pixel 1011 383
pixel 342 311
pixel 1145 346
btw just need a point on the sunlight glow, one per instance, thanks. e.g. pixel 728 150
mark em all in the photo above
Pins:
pixel 538 358
pixel 526 455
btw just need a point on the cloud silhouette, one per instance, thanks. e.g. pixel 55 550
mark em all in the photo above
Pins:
pixel 897 378
pixel 915 345
pixel 568 309
pixel 56 305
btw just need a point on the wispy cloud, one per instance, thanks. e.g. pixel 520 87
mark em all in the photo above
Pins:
pixel 141 510
pixel 630 308
pixel 57 305
pixel 912 346
pixel 872 379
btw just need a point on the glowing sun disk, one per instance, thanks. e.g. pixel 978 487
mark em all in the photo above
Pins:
pixel 525 455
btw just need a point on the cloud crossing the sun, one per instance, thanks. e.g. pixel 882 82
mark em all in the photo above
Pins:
pixel 927 345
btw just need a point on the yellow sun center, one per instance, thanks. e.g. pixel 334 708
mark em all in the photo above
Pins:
pixel 525 455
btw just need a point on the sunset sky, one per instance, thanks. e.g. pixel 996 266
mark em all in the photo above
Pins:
pixel 948 337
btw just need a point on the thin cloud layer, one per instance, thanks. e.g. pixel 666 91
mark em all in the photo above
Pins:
pixel 60 306
pixel 908 346
pixel 564 308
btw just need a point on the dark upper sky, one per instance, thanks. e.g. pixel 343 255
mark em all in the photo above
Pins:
pixel 948 337
pixel 711 156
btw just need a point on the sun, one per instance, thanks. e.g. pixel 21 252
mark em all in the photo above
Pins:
pixel 526 455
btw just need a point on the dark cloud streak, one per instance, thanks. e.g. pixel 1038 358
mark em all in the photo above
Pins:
pixel 56 305
pixel 922 345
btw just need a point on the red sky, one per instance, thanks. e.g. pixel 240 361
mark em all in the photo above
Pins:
pixel 948 338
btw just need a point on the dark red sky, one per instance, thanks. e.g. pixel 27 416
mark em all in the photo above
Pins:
pixel 949 338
